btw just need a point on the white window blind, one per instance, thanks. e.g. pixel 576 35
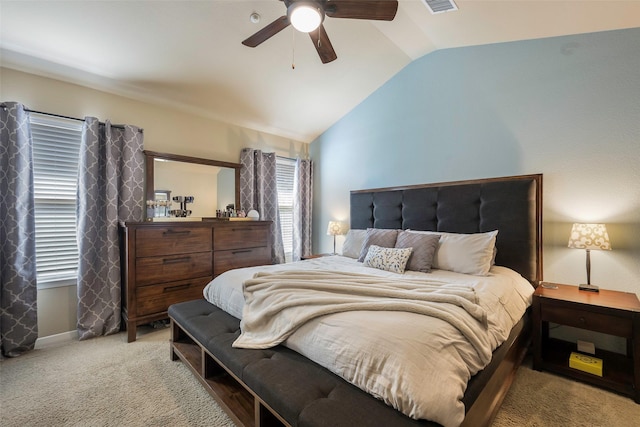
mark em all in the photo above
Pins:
pixel 285 170
pixel 56 149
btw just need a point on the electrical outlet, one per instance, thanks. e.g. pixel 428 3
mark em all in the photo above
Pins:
pixel 586 347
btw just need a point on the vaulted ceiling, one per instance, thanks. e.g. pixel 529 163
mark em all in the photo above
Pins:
pixel 188 54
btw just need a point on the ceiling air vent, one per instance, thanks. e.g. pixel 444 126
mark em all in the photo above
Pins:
pixel 440 6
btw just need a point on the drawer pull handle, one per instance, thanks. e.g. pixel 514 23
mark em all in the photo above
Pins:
pixel 582 320
pixel 176 260
pixel 171 232
pixel 243 251
pixel 176 288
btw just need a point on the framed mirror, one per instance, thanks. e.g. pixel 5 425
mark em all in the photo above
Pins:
pixel 213 183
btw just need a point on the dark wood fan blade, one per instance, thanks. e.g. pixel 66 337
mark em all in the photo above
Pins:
pixel 323 44
pixel 382 10
pixel 269 31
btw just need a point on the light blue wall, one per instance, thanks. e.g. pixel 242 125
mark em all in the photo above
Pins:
pixel 567 107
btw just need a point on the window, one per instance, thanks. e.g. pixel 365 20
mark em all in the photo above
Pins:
pixel 56 150
pixel 285 170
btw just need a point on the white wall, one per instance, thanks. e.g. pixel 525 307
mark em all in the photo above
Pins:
pixel 165 130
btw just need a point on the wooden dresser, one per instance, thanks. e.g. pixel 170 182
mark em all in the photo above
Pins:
pixel 164 263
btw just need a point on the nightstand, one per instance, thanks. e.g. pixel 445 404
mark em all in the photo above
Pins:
pixel 607 312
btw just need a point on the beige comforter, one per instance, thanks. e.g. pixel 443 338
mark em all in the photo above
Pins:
pixel 277 304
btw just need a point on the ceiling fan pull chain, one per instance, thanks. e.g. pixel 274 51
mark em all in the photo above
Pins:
pixel 293 49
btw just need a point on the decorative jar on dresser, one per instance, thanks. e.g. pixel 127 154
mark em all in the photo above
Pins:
pixel 164 263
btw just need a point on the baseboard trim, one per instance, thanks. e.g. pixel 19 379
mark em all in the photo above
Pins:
pixel 57 339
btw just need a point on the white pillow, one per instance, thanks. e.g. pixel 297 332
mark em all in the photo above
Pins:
pixel 353 243
pixel 388 259
pixel 464 253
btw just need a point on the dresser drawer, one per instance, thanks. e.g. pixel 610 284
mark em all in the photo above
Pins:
pixel 584 319
pixel 157 298
pixel 240 237
pixel 162 269
pixel 238 258
pixel 171 240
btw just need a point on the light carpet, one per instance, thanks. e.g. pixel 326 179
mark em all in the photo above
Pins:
pixel 107 382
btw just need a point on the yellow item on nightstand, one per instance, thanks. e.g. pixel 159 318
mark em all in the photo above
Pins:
pixel 585 363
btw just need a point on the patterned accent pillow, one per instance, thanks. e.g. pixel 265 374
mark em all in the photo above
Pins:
pixel 380 237
pixel 388 259
pixel 424 248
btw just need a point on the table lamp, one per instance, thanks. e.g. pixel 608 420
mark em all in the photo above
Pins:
pixel 336 228
pixel 588 237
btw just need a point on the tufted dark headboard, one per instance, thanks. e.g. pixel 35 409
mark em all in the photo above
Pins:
pixel 512 205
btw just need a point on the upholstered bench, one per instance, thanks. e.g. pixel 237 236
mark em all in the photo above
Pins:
pixel 268 387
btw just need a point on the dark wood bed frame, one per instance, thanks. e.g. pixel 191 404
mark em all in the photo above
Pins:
pixel 513 205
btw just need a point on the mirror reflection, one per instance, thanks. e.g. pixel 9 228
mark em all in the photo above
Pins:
pixel 211 187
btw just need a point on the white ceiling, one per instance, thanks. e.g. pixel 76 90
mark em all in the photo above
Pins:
pixel 188 53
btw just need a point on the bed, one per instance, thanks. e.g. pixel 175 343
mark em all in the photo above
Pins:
pixel 289 359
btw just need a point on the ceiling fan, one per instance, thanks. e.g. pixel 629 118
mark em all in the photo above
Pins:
pixel 307 16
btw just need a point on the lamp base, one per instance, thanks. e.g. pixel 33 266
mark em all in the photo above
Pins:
pixel 589 288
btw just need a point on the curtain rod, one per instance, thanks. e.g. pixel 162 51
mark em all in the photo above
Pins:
pixel 66 117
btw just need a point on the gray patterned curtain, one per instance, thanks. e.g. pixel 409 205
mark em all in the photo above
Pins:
pixel 259 191
pixel 18 287
pixel 110 189
pixel 302 208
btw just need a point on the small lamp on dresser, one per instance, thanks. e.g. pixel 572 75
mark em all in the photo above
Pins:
pixel 336 228
pixel 588 237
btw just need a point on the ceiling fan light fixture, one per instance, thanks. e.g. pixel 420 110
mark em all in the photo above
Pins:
pixel 305 16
